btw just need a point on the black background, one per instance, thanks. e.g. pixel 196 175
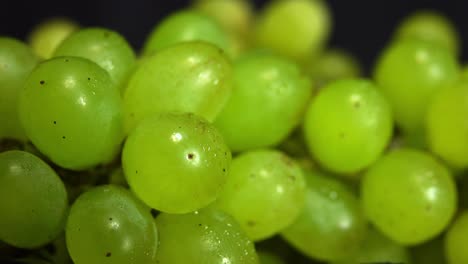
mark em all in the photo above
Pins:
pixel 362 27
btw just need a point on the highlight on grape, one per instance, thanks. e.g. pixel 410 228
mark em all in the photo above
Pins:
pixel 237 135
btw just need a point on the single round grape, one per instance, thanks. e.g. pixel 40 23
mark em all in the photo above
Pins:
pixel 33 200
pixel 48 35
pixel 268 99
pixel 431 26
pixel 348 125
pixel 185 26
pixel 409 73
pixel 107 224
pixel 297 29
pixel 409 196
pixel 234 16
pixel 16 61
pixel 176 163
pixel 71 111
pixel 332 65
pixel 105 47
pixel 378 248
pixel 331 226
pixel 191 77
pixel 456 239
pixel 265 192
pixel 206 236
pixel 447 124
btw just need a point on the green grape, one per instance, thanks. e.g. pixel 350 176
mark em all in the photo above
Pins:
pixel 33 200
pixel 176 163
pixel 264 192
pixel 16 61
pixel 456 240
pixel 71 111
pixel 107 224
pixel 332 65
pixel 409 73
pixel 409 196
pixel 432 26
pixel 105 47
pixel 189 77
pixel 270 94
pixel 48 35
pixel 348 125
pixel 236 18
pixel 297 29
pixel 377 248
pixel 430 252
pixel 206 236
pixel 266 257
pixel 331 226
pixel 447 124
pixel 185 26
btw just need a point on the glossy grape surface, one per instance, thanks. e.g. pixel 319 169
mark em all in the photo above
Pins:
pixel 108 224
pixel 206 236
pixel 191 77
pixel 33 200
pixel 348 125
pixel 176 163
pixel 16 61
pixel 268 99
pixel 264 192
pixel 71 111
pixel 409 196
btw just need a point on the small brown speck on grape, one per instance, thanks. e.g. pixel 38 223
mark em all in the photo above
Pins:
pixel 42 82
pixel 190 156
pixel 110 218
pixel 108 254
pixel 63 137
pixel 55 122
pixel 89 79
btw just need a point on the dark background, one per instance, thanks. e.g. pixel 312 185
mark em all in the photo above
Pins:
pixel 362 27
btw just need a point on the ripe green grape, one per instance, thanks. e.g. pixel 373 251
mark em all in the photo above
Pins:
pixel 332 65
pixel 105 47
pixel 185 26
pixel 264 192
pixel 447 124
pixel 377 248
pixel 348 125
pixel 268 99
pixel 71 111
pixel 16 61
pixel 409 73
pixel 46 36
pixel 236 18
pixel 297 29
pixel 206 236
pixel 176 163
pixel 190 77
pixel 33 200
pixel 409 196
pixel 331 226
pixel 432 26
pixel 456 240
pixel 107 224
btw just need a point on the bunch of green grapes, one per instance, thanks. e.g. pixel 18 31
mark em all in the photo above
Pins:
pixel 235 136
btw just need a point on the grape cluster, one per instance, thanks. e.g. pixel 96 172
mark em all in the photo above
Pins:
pixel 236 136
